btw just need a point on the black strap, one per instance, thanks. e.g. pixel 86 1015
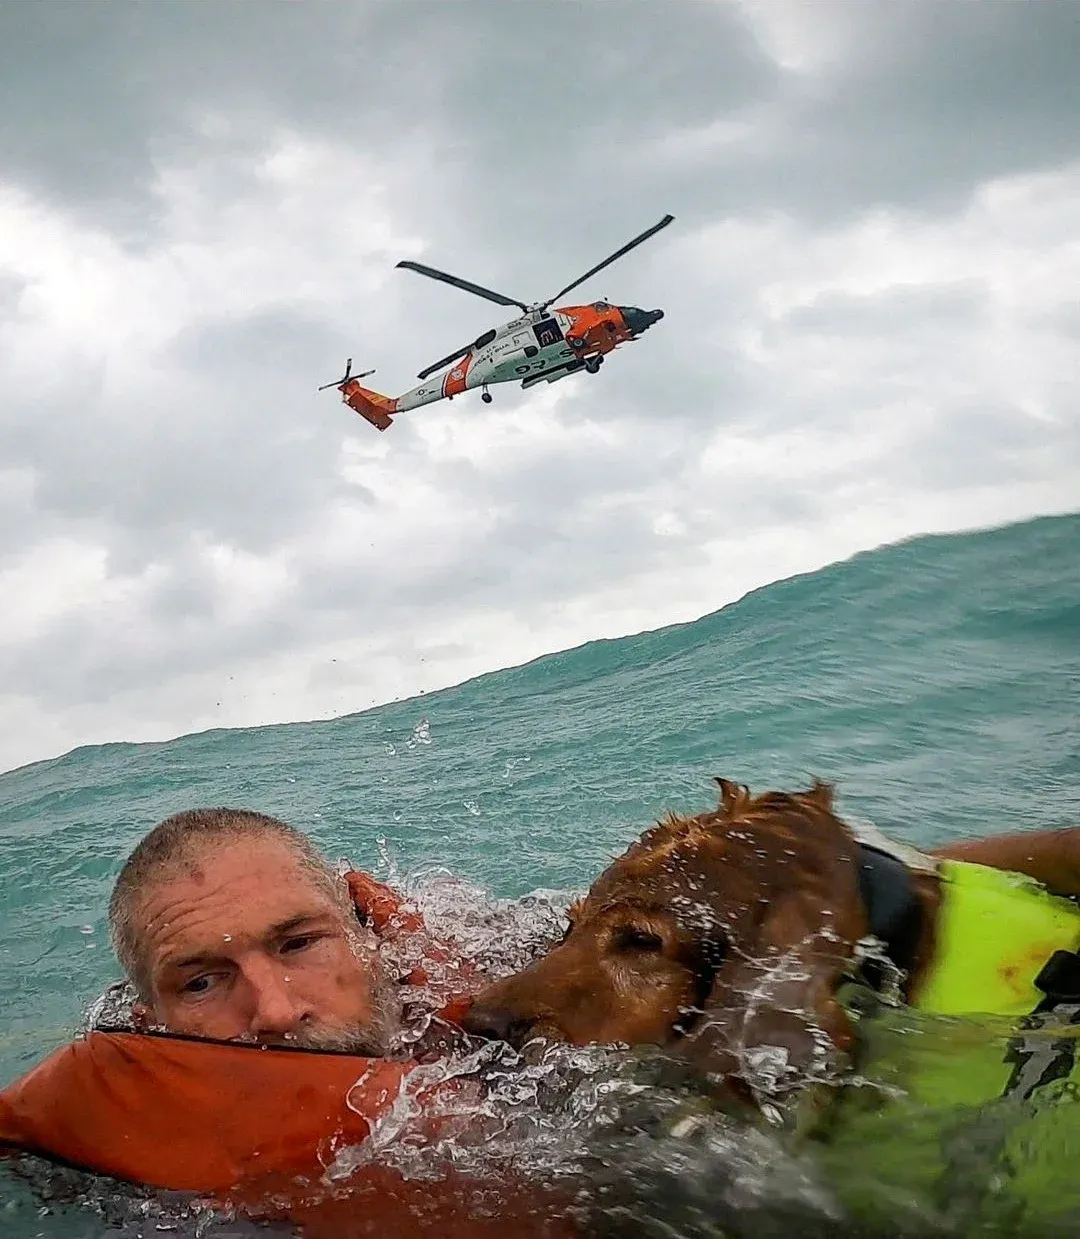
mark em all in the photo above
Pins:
pixel 1059 980
pixel 888 894
pixel 1041 1060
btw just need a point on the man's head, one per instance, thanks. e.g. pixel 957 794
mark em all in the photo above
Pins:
pixel 232 926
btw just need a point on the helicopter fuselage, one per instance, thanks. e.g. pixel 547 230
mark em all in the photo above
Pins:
pixel 540 346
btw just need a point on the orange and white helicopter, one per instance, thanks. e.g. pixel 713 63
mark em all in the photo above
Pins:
pixel 542 346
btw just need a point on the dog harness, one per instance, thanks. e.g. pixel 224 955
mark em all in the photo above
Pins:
pixel 1005 947
pixel 1001 938
pixel 954 1116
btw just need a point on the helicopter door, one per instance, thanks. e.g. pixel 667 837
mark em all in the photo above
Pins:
pixel 547 332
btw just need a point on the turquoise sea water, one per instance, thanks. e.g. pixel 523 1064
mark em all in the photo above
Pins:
pixel 937 682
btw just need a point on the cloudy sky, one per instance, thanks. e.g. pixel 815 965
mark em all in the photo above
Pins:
pixel 872 318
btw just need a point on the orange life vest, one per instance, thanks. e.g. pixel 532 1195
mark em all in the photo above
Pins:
pixel 231 1120
pixel 193 1115
pixel 383 909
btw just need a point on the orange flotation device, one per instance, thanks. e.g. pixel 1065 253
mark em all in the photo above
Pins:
pixel 234 1121
pixel 384 910
pixel 193 1115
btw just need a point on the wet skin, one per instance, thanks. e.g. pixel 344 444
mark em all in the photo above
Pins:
pixel 243 944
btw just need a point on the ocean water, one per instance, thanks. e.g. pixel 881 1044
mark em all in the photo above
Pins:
pixel 936 682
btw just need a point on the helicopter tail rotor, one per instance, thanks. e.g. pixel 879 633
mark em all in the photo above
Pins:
pixel 371 405
pixel 346 377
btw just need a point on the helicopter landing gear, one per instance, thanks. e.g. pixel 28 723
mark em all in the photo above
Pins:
pixel 486 396
pixel 592 364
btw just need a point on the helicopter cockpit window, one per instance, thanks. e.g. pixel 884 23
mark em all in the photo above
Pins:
pixel 601 305
pixel 547 332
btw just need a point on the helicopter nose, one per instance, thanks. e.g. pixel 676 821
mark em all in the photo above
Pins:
pixel 639 320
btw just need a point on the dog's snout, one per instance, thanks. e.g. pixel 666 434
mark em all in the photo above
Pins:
pixel 495 1023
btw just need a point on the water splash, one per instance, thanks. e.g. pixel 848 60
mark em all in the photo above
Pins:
pixel 645 1149
pixel 112 1011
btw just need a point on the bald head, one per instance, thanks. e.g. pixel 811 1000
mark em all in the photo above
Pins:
pixel 177 846
pixel 233 927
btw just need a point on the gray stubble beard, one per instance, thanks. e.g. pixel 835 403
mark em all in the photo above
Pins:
pixel 372 1039
pixel 375 1037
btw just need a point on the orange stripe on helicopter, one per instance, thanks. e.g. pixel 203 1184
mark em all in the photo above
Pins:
pixel 454 383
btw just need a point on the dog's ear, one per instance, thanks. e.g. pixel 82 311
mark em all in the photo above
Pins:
pixel 777 1004
pixel 820 795
pixel 733 796
pixel 793 918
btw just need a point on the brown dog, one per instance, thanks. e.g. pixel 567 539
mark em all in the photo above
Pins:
pixel 735 928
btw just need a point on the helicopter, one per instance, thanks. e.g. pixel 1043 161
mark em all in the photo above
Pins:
pixel 542 345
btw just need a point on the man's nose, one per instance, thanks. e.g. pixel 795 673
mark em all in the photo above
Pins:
pixel 276 1009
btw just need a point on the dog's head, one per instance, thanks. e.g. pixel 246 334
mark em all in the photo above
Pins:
pixel 721 931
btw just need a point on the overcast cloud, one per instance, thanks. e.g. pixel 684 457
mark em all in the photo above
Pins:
pixel 872 318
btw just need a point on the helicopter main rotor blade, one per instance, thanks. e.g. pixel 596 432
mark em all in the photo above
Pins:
pixel 444 362
pixel 457 282
pixel 611 258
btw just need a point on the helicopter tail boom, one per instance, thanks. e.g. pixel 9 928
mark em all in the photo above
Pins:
pixel 371 406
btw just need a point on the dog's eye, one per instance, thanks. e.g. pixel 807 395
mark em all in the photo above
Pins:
pixel 631 938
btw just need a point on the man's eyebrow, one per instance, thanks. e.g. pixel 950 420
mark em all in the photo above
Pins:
pixel 190 961
pixel 294 922
pixel 280 930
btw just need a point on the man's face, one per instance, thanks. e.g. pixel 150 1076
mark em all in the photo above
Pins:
pixel 244 944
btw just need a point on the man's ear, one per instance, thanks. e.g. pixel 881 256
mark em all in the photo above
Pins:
pixel 142 1017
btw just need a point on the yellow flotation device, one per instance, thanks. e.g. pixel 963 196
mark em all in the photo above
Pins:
pixel 962 1115
pixel 996 932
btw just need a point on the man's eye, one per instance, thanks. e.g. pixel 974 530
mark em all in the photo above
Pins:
pixel 198 985
pixel 300 943
pixel 632 938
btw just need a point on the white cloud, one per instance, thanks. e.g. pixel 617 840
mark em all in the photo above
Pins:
pixel 803 38
pixel 190 536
